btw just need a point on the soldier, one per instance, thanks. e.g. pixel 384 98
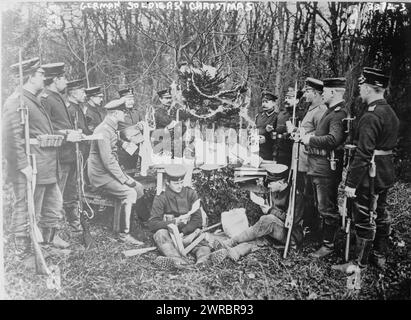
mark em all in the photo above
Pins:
pixel 172 203
pixel 95 113
pixel 266 121
pixel 48 200
pixel 76 98
pixel 104 170
pixel 313 95
pixel 52 101
pixel 272 222
pixel 131 117
pixel 375 140
pixel 325 154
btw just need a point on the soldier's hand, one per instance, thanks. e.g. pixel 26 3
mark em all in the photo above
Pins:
pixel 28 172
pixel 269 128
pixel 265 208
pixel 74 136
pixel 306 139
pixel 350 192
pixel 130 182
pixel 290 126
pixel 262 139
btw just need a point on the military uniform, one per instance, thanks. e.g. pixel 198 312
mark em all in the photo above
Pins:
pixel 328 138
pixel 47 196
pixel 375 139
pixel 94 116
pixel 283 145
pixel 262 119
pixel 103 168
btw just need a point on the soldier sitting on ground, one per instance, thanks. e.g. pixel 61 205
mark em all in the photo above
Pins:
pixel 272 222
pixel 167 208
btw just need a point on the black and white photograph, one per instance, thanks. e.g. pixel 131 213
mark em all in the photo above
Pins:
pixel 237 151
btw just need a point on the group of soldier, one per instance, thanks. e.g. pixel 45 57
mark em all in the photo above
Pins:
pixel 322 134
pixel 66 108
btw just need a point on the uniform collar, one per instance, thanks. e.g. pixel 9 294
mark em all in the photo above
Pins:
pixel 378 101
pixel 170 192
pixel 313 106
pixel 71 102
pixel 269 113
pixel 48 91
pixel 338 104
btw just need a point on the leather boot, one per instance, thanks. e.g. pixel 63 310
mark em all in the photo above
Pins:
pixel 240 250
pixel 326 249
pixel 202 254
pixel 73 218
pixel 46 232
pixel 379 252
pixel 56 241
pixel 172 257
pixel 362 251
pixel 246 235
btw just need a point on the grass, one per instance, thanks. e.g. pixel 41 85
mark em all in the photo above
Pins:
pixel 103 273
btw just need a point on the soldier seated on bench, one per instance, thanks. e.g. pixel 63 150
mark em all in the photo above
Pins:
pixel 172 203
pixel 104 170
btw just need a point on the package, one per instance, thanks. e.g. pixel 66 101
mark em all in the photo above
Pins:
pixel 234 221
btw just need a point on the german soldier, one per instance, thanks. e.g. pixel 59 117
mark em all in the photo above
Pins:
pixel 313 95
pixel 104 170
pixel 95 113
pixel 52 101
pixel 48 200
pixel 325 155
pixel 266 121
pixel 371 172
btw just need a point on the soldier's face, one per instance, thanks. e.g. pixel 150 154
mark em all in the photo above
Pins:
pixel 327 95
pixel 120 115
pixel 79 95
pixel 364 91
pixel 97 100
pixel 166 101
pixel 37 80
pixel 61 83
pixel 268 105
pixel 130 102
pixel 309 94
pixel 176 186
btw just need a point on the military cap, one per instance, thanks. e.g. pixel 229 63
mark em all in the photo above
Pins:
pixel 166 93
pixel 29 66
pixel 268 95
pixel 52 70
pixel 115 105
pixel 374 77
pixel 276 172
pixel 314 83
pixel 175 172
pixel 334 83
pixel 125 92
pixel 75 84
pixel 93 91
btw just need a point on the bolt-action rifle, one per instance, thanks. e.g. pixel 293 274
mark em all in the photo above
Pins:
pixel 87 238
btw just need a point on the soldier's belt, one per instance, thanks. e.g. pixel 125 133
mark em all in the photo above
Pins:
pixel 382 152
pixel 47 140
pixel 317 151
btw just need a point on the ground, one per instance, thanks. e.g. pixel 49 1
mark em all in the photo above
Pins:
pixel 104 273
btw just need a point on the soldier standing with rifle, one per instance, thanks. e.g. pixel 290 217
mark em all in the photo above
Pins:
pixel 313 95
pixel 95 113
pixel 52 101
pixel 371 172
pixel 325 155
pixel 48 200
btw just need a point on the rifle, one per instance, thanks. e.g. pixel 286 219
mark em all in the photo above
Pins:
pixel 87 238
pixel 289 220
pixel 349 148
pixel 41 266
pixel 53 273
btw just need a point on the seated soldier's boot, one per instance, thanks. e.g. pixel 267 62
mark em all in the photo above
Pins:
pixel 218 256
pixel 127 238
pixel 240 250
pixel 326 249
pixel 246 235
pixel 202 254
pixel 169 251
pixel 168 263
